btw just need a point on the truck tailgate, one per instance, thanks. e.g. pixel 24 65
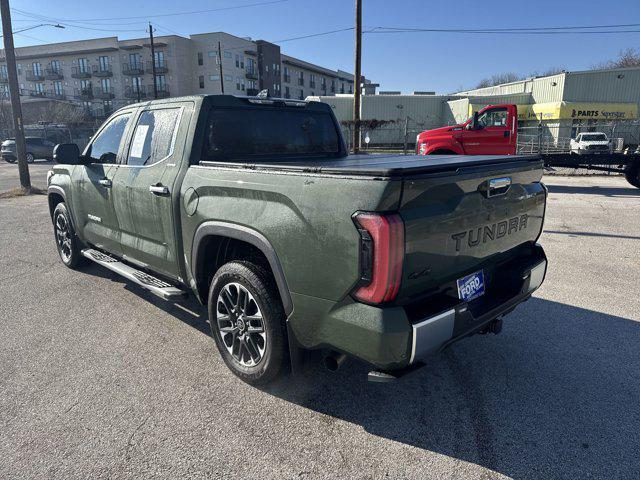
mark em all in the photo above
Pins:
pixel 459 222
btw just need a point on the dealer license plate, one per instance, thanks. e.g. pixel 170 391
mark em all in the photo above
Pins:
pixel 471 286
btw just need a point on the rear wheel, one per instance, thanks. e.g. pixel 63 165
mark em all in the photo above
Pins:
pixel 9 159
pixel 30 158
pixel 66 240
pixel 248 322
pixel 632 174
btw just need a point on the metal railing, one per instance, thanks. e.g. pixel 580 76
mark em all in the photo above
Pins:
pixel 81 72
pixel 549 139
pixel 160 66
pixel 53 74
pixel 135 92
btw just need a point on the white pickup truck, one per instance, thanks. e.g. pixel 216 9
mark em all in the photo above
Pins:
pixel 590 143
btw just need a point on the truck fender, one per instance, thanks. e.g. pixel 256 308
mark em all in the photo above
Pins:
pixel 248 235
pixel 454 147
pixel 55 190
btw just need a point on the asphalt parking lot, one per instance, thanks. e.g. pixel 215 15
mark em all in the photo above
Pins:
pixel 100 379
pixel 10 178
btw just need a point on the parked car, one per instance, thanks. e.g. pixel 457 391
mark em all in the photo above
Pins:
pixel 589 143
pixel 253 206
pixel 37 148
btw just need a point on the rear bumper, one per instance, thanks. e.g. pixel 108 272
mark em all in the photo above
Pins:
pixel 437 332
pixel 395 337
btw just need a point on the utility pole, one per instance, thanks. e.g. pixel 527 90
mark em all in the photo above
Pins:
pixel 356 95
pixel 153 62
pixel 14 92
pixel 220 68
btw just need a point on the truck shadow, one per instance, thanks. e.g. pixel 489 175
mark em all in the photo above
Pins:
pixel 629 191
pixel 554 396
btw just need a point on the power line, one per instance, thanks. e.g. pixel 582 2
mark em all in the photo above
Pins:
pixel 314 35
pixel 219 9
pixel 572 27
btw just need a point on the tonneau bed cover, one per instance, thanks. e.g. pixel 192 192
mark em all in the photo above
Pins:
pixel 377 164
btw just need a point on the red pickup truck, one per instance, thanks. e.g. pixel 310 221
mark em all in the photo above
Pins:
pixel 491 131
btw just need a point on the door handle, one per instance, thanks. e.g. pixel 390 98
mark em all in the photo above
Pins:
pixel 159 190
pixel 105 182
pixel 507 133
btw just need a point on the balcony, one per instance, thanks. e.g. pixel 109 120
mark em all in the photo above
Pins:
pixel 103 93
pixel 161 67
pixel 83 93
pixel 162 91
pixel 133 69
pixel 81 72
pixel 55 95
pixel 53 74
pixel 34 76
pixel 135 92
pixel 251 75
pixel 102 71
pixel 37 93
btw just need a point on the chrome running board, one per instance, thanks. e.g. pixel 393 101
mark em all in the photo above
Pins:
pixel 156 286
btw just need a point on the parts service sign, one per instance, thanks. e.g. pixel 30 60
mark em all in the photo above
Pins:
pixel 578 111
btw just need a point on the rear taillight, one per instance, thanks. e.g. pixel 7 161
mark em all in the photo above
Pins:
pixel 381 256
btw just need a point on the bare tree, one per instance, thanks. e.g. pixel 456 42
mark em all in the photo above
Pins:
pixel 56 112
pixel 629 57
pixel 498 79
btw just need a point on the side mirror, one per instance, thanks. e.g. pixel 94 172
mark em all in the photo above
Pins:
pixel 67 154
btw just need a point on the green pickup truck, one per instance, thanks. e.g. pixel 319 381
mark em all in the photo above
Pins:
pixel 254 206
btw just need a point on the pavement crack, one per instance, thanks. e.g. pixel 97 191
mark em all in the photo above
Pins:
pixel 130 444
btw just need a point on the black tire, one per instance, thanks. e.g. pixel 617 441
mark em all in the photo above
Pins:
pixel 67 243
pixel 9 160
pixel 242 342
pixel 632 174
pixel 30 158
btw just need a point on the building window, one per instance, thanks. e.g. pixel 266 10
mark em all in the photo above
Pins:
pixel 105 83
pixel 237 61
pixel 251 66
pixel 227 54
pixel 301 78
pixel 287 77
pixel 161 82
pixel 134 61
pixel 55 66
pixel 200 59
pixel 104 64
pixel 242 62
pixel 159 59
pixel 351 88
pixel 212 53
pixel 301 97
pixel 57 88
pixel 37 68
pixel 333 86
pixel 201 81
pixel 237 83
pixel 266 68
pixel 137 84
pixel 83 65
pixel 287 94
pixel 214 78
pixel 312 81
pixel 228 78
pixel 40 88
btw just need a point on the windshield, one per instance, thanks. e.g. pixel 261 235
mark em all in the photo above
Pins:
pixel 250 132
pixel 594 137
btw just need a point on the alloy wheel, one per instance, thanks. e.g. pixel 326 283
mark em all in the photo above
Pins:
pixel 241 325
pixel 63 238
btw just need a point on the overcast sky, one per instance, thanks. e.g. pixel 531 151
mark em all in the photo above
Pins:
pixel 443 62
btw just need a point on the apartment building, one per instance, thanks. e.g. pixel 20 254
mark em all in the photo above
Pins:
pixel 106 73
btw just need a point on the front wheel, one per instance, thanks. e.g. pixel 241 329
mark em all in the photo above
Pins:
pixel 248 322
pixel 632 174
pixel 66 240
pixel 9 159
pixel 30 158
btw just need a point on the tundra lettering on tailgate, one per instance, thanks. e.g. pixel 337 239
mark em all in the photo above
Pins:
pixel 491 232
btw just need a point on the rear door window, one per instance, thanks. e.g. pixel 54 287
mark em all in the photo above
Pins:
pixel 154 136
pixel 272 132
